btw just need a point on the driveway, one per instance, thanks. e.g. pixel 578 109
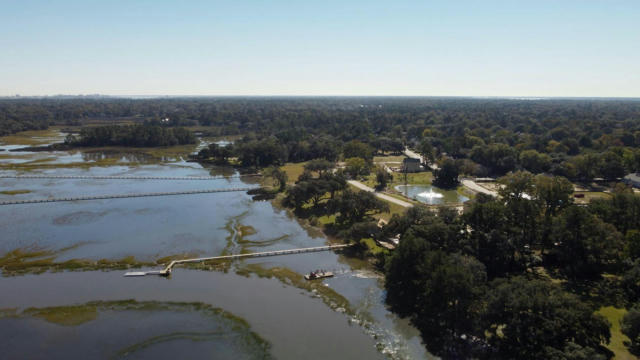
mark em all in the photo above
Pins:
pixel 388 198
pixel 415 155
pixel 477 188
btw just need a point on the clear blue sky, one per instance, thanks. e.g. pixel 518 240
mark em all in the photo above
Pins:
pixel 308 47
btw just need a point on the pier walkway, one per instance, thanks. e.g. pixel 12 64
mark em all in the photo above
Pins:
pixel 121 196
pixel 167 270
pixel 123 177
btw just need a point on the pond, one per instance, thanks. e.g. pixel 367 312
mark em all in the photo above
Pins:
pixel 431 195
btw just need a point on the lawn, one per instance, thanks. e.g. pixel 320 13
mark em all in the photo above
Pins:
pixel 373 248
pixel 421 178
pixel 370 180
pixel 616 345
pixel 462 190
pixel 390 159
pixel 591 195
pixel 393 209
pixel 293 170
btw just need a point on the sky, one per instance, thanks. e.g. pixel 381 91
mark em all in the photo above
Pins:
pixel 564 48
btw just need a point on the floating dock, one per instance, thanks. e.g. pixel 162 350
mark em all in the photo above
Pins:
pixel 316 275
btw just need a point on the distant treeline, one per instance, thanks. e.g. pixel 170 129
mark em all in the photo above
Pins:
pixel 132 135
pixel 578 139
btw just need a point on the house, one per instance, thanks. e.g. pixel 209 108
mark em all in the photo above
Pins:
pixel 632 179
pixel 411 165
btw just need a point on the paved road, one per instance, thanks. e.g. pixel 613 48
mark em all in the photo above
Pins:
pixel 415 155
pixel 477 188
pixel 412 154
pixel 388 198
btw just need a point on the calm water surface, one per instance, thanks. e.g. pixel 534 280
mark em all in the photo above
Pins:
pixel 297 324
pixel 448 196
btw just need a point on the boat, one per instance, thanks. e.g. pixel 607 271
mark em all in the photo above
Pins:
pixel 318 274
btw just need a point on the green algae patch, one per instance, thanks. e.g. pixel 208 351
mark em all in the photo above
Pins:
pixel 65 315
pixel 229 327
pixel 232 327
pixel 14 192
pixel 246 230
pixel 21 261
pixel 289 277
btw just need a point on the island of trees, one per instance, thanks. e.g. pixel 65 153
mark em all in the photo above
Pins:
pixel 131 135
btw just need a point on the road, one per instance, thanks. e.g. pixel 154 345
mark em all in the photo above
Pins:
pixel 415 155
pixel 477 188
pixel 388 198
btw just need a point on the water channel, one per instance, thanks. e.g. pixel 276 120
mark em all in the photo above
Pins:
pixel 174 316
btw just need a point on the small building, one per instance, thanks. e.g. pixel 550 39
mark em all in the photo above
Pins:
pixel 484 179
pixel 411 165
pixel 632 180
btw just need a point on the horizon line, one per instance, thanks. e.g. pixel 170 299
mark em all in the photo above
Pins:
pixel 154 96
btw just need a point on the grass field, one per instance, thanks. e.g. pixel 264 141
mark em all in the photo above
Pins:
pixel 293 170
pixel 373 248
pixel 616 345
pixel 421 178
pixel 390 158
pixel 591 195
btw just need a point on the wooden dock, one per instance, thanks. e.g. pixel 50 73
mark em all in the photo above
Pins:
pixel 122 196
pixel 124 177
pixel 168 268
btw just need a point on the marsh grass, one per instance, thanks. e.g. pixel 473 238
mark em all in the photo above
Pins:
pixel 74 315
pixel 14 192
pixel 37 261
pixel 289 277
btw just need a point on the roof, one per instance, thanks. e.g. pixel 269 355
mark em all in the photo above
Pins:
pixel 633 177
pixel 406 160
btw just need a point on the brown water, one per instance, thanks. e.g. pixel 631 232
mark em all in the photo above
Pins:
pixel 295 322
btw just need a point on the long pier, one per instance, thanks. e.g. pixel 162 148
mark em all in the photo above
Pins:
pixel 124 177
pixel 167 270
pixel 122 196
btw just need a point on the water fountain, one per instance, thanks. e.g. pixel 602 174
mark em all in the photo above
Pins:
pixel 430 195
